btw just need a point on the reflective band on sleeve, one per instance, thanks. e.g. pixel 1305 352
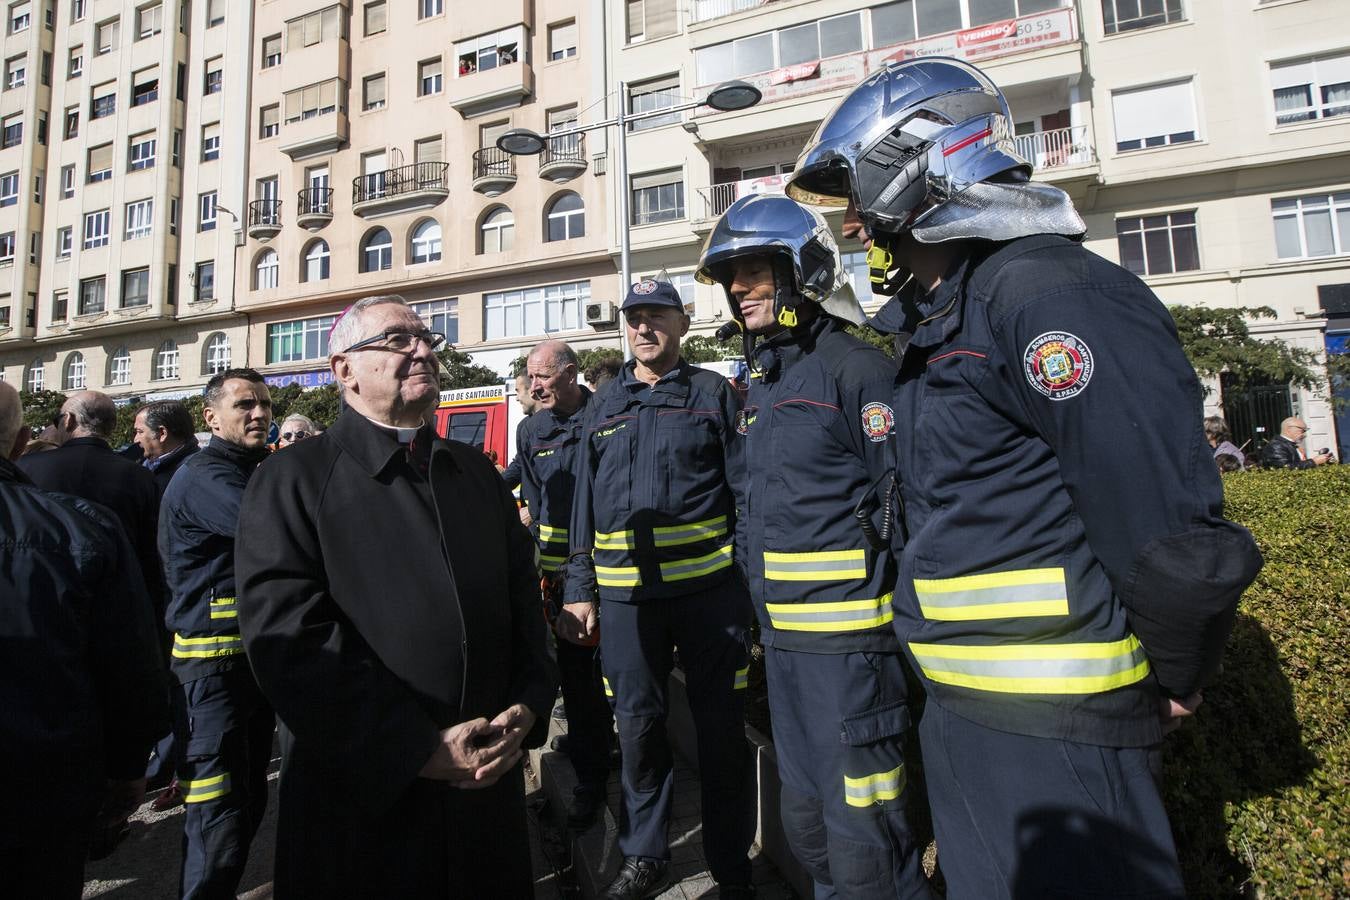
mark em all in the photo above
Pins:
pixel 205 789
pixel 224 608
pixel 843 615
pixel 871 789
pixel 825 565
pixel 549 534
pixel 551 563
pixel 609 691
pixel 675 535
pixel 683 569
pixel 1035 668
pixel 742 679
pixel 996 595
pixel 207 647
pixel 614 540
pixel 618 576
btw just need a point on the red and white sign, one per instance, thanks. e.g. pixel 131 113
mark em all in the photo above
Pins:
pixel 799 72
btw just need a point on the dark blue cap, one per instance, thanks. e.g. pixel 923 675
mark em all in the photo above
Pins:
pixel 652 293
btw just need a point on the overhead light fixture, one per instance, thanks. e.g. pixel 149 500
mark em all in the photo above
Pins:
pixel 521 142
pixel 731 96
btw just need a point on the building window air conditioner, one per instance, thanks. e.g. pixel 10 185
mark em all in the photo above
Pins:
pixel 600 312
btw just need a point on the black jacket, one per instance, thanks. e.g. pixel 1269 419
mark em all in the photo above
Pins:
pixel 163 467
pixel 81 687
pixel 1282 453
pixel 546 449
pixel 379 606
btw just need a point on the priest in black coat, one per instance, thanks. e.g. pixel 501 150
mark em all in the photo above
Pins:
pixel 389 604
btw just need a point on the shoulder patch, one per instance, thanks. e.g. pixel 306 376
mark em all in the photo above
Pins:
pixel 1058 364
pixel 877 421
pixel 745 417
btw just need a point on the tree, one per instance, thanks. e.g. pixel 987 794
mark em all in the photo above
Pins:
pixel 40 408
pixel 588 358
pixel 705 348
pixel 320 405
pixel 460 371
pixel 1218 341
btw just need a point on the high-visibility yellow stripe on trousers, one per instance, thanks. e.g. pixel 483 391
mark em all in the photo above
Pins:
pixel 204 789
pixel 1086 668
pixel 609 691
pixel 683 569
pixel 875 788
pixel 224 608
pixel 842 615
pixel 821 565
pixel 742 679
pixel 207 647
pixel 995 595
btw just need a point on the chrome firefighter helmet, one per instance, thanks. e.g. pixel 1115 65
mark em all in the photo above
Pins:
pixel 905 141
pixel 806 261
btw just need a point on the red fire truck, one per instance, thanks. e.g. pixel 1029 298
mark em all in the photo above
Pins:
pixel 478 416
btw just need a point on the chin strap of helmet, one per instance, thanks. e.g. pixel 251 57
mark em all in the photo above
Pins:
pixel 885 276
pixel 785 295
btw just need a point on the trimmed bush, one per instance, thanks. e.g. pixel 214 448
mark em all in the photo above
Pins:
pixel 1258 786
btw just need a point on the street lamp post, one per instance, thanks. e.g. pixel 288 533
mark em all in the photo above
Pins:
pixel 727 97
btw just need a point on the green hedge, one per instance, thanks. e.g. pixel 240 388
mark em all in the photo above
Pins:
pixel 1258 786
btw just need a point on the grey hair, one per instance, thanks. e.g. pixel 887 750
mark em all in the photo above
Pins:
pixel 11 418
pixel 296 417
pixel 93 412
pixel 346 331
pixel 563 354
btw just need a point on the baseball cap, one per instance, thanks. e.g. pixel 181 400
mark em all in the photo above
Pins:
pixel 648 292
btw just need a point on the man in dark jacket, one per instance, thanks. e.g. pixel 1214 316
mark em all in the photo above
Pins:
pixel 163 430
pixel 390 608
pixel 80 684
pixel 223 774
pixel 1285 451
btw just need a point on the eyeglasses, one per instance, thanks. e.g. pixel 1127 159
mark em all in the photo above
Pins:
pixel 294 435
pixel 400 341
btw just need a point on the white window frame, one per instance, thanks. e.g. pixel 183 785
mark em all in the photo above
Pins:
pixel 126 297
pixel 267 271
pixel 675 178
pixel 538 310
pixel 426 9
pixel 384 251
pixel 440 315
pixel 425 246
pixel 9 189
pixel 206 211
pixel 75 374
pixel 166 361
pixel 1301 210
pixel 217 356
pixel 1137 109
pixel 100 282
pixel 317 262
pixel 497 232
pixel 141 154
pixel 140 219
pixel 298 340
pixel 119 366
pixel 429 84
pixel 204 288
pixel 565 217
pixel 97 225
pixel 65 241
pixel 1316 75
pixel 16 72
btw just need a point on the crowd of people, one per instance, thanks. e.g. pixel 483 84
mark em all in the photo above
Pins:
pixel 963 521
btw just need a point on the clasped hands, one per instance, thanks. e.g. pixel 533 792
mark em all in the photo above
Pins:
pixel 475 754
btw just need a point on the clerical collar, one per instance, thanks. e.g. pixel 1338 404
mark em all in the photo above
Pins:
pixel 404 435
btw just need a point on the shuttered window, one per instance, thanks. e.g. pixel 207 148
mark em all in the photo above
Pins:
pixel 376 17
pixel 428 150
pixel 314 100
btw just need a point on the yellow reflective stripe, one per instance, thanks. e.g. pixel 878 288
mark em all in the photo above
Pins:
pixel 549 534
pixel 614 540
pixel 675 535
pixel 994 595
pixel 742 679
pixel 1085 668
pixel 618 576
pixel 224 608
pixel 683 569
pixel 822 565
pixel 609 692
pixel 205 788
pixel 871 789
pixel 551 563
pixel 207 647
pixel 842 615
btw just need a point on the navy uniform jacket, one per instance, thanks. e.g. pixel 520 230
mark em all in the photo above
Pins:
pixel 1067 557
pixel 655 475
pixel 818 426
pixel 546 449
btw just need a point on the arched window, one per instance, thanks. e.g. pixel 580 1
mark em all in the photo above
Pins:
pixel 377 251
pixel 266 271
pixel 166 360
pixel 73 379
pixel 217 358
pixel 498 231
pixel 426 241
pixel 119 366
pixel 566 218
pixel 36 378
pixel 315 267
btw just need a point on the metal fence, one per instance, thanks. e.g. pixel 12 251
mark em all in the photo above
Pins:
pixel 409 179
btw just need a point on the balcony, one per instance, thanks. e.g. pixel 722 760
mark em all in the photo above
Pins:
pixel 404 189
pixel 707 10
pixel 314 208
pixel 494 171
pixel 1057 149
pixel 564 158
pixel 313 135
pixel 717 197
pixel 485 91
pixel 264 219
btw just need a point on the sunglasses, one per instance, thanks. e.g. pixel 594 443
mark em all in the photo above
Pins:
pixel 294 435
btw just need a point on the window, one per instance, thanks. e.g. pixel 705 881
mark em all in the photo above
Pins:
pixel 498 231
pixel 217 354
pixel 271 51
pixel 647 19
pixel 105 101
pixel 64 242
pixel 141 153
pixel 135 288
pixel 91 296
pixel 140 218
pixel 372 92
pixel 9 189
pixel 1315 225
pixel 1157 245
pixel 77 10
pixel 1154 116
pixel 1308 88
pixel 149 20
pixel 298 340
pixel 176 147
pixel 173 215
pixel 1127 15
pixel 440 315
pixel 315 100
pixel 821 39
pixel 215 13
pixel 180 83
pixel 99 166
pixel 489 51
pixel 316 262
pixel 119 366
pixel 105 36
pixel 269 121
pixel 215 76
pixel 46 68
pixel 428 77
pixel 426 241
pixel 428 8
pixel 20 17
pixel 73 379
pixel 34 246
pixel 376 17
pixel 540 310
pixel 210 142
pixel 166 361
pixel 206 211
pixel 566 218
pixel 35 380
pixel 16 72
pixel 75 64
pixel 96 229
pixel 72 126
pixel 659 93
pixel 377 251
pixel 562 40
pixel 658 197
pixel 205 281
pixel 145 88
pixel 7 248
pixel 13 130
pixel 320 25
pixel 266 271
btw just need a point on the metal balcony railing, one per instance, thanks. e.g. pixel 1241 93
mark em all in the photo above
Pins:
pixel 264 212
pixel 315 201
pixel 704 10
pixel 717 197
pixel 1057 148
pixel 491 161
pixel 569 148
pixel 410 179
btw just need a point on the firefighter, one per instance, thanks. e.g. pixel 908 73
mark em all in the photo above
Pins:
pixel 817 426
pixel 1067 581
pixel 653 526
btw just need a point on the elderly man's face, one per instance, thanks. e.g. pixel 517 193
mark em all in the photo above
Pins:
pixel 1296 430
pixel 390 384
pixel 292 430
pixel 547 376
pixel 242 415
pixel 654 334
pixel 151 440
